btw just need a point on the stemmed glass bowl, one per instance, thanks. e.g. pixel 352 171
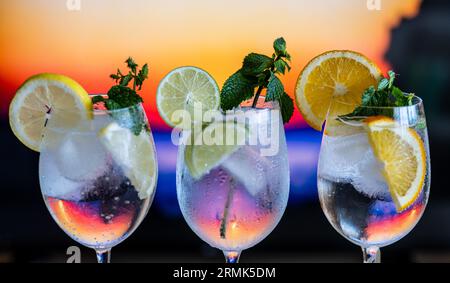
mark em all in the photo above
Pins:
pixel 98 177
pixel 374 174
pixel 233 193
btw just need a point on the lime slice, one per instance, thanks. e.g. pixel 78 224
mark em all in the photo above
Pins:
pixel 43 95
pixel 203 155
pixel 134 154
pixel 186 88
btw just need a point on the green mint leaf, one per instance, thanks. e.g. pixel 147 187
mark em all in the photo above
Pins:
pixel 280 66
pixel 262 79
pixel 132 118
pixel 236 89
pixel 380 101
pixel 126 101
pixel 124 81
pixel 131 64
pixel 280 47
pixel 143 73
pixel 138 82
pixel 368 96
pixel 286 107
pixel 138 120
pixel 112 105
pixel 288 57
pixel 410 97
pixel 255 64
pixel 142 76
pixel 258 71
pixel 287 65
pixel 122 97
pixel 392 76
pixel 384 83
pixel 98 98
pixel 114 77
pixel 275 89
pixel 401 98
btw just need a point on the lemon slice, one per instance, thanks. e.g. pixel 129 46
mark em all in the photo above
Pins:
pixel 402 152
pixel 44 95
pixel 204 155
pixel 134 154
pixel 340 75
pixel 186 88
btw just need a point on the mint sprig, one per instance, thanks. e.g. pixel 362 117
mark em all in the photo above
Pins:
pixel 386 94
pixel 260 72
pixel 122 96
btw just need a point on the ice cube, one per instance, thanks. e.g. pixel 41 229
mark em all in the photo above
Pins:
pixel 249 168
pixel 53 184
pixel 100 121
pixel 340 156
pixel 350 159
pixel 369 180
pixel 81 157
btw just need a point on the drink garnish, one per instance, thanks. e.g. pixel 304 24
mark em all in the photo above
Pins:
pixel 188 89
pixel 138 160
pixel 340 75
pixel 402 153
pixel 42 96
pixel 261 72
pixel 202 158
pixel 121 96
pixel 386 94
pixel 398 147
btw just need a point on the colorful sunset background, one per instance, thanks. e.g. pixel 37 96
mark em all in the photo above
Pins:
pixel 90 43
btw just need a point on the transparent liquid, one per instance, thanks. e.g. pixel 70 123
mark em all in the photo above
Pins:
pixel 107 214
pixel 355 197
pixel 255 189
pixel 366 221
pixel 251 216
pixel 86 191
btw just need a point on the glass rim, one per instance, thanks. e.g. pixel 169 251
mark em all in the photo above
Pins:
pixel 417 102
pixel 261 105
pixel 92 113
pixel 106 111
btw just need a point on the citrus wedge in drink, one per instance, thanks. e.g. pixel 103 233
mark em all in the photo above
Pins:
pixel 402 152
pixel 186 88
pixel 134 154
pixel 216 143
pixel 340 127
pixel 46 95
pixel 340 75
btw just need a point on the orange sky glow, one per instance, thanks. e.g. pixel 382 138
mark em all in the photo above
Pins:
pixel 89 44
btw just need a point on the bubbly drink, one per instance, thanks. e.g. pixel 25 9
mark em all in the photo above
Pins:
pixel 88 193
pixel 239 202
pixel 355 196
pixel 106 214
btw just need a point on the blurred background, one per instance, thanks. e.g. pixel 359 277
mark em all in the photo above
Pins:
pixel 89 41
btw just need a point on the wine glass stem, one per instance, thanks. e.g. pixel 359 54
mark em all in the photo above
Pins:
pixel 372 255
pixel 103 256
pixel 232 257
